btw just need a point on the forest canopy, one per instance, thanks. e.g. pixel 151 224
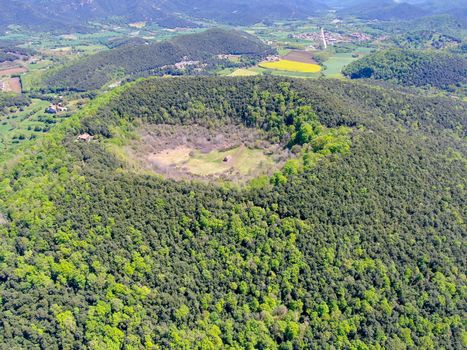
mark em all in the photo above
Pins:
pixel 155 58
pixel 411 68
pixel 363 250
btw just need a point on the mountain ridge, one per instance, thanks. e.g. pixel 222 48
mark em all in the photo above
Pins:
pixel 178 13
pixel 149 58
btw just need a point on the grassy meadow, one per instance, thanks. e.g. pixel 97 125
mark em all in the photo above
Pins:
pixel 241 72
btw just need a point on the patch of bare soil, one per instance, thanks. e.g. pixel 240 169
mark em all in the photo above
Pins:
pixel 300 56
pixel 13 70
pixel 13 85
pixel 176 152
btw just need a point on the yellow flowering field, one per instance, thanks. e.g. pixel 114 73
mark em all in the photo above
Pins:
pixel 292 66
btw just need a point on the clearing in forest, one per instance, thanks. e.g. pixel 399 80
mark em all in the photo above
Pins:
pixel 292 66
pixel 233 153
pixel 241 160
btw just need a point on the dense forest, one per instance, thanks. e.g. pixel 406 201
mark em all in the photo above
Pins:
pixel 155 58
pixel 362 249
pixel 68 15
pixel 411 68
pixel 79 15
pixel 426 39
pixel 445 25
pixel 32 15
pixel 384 10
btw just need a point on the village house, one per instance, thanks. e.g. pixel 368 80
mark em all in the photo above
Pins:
pixel 331 37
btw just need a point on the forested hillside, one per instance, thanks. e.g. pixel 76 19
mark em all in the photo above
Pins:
pixel 29 15
pixel 241 12
pixel 385 10
pixel 68 15
pixel 411 68
pixel 146 59
pixel 361 249
pixel 444 25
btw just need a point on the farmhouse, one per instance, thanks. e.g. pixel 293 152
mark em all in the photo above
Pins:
pixel 184 64
pixel 54 109
pixel 228 56
pixel 272 58
pixel 84 137
pixel 61 108
pixel 51 110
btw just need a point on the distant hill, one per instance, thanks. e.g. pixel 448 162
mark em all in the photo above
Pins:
pixel 398 9
pixel 23 13
pixel 244 12
pixel 432 32
pixel 411 68
pixel 151 58
pixel 443 24
pixel 454 7
pixel 385 10
pixel 72 14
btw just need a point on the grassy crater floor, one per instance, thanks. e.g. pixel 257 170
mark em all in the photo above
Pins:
pixel 241 160
pixel 233 153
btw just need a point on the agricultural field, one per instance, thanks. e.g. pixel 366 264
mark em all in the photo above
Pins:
pixel 23 124
pixel 338 60
pixel 291 66
pixel 12 70
pixel 18 125
pixel 282 35
pixel 10 85
pixel 33 80
pixel 300 56
pixel 242 72
pixel 336 63
pixel 284 73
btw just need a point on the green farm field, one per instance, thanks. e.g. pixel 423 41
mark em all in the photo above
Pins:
pixel 242 72
pixel 23 125
pixel 336 63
